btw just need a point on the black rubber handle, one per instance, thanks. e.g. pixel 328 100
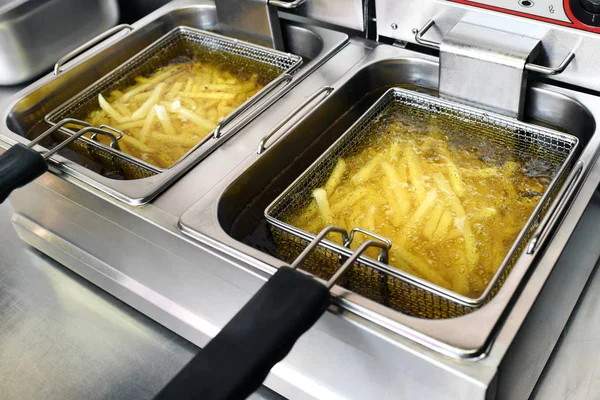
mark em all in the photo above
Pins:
pixel 19 165
pixel 236 362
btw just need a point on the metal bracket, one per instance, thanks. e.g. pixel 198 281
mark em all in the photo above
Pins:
pixel 287 4
pixel 487 68
pixel 254 21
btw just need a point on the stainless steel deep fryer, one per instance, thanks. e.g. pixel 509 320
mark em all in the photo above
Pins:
pixel 376 280
pixel 273 68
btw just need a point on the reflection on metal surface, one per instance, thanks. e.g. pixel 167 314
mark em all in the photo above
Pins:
pixel 64 338
pixel 35 33
pixel 471 54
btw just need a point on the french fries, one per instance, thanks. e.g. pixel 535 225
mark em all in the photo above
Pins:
pixel 169 112
pixel 320 196
pixel 451 216
pixel 336 176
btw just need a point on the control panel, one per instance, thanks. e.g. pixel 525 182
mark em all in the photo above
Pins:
pixel 578 14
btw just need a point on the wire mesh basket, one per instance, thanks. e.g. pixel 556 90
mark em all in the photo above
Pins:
pixel 181 42
pixel 380 282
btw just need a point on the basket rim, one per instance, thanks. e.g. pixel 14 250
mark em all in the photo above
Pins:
pixel 404 276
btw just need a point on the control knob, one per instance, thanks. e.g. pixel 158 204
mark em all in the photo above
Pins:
pixel 586 11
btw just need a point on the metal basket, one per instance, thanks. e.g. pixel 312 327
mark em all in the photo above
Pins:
pixel 93 155
pixel 380 282
pixel 268 64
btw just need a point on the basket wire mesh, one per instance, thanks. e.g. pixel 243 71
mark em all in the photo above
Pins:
pixel 380 282
pixel 179 44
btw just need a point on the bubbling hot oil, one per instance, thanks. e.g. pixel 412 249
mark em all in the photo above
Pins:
pixel 480 189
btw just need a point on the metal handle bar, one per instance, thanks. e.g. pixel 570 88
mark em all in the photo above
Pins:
pixel 382 243
pixel 91 43
pixel 87 129
pixel 287 78
pixel 540 69
pixel 326 89
pixel 552 215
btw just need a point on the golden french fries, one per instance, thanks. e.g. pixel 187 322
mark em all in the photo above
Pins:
pixel 451 216
pixel 336 176
pixel 169 112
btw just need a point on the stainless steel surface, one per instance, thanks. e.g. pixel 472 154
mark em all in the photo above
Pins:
pixel 346 13
pixel 63 338
pixel 572 371
pixel 254 21
pixel 60 26
pixel 560 43
pixel 472 54
pixel 542 327
pixel 540 69
pixel 89 44
pixel 315 44
pixel 404 292
pixel 94 346
pixel 90 129
pixel 324 91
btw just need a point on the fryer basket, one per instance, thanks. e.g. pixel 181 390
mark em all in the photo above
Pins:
pixel 182 41
pixel 380 282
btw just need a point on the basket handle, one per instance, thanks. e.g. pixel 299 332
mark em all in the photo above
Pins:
pixel 89 44
pixel 563 198
pixel 20 164
pixel 284 79
pixel 326 89
pixel 236 362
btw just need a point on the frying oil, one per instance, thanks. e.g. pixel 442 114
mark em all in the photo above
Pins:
pixel 452 197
